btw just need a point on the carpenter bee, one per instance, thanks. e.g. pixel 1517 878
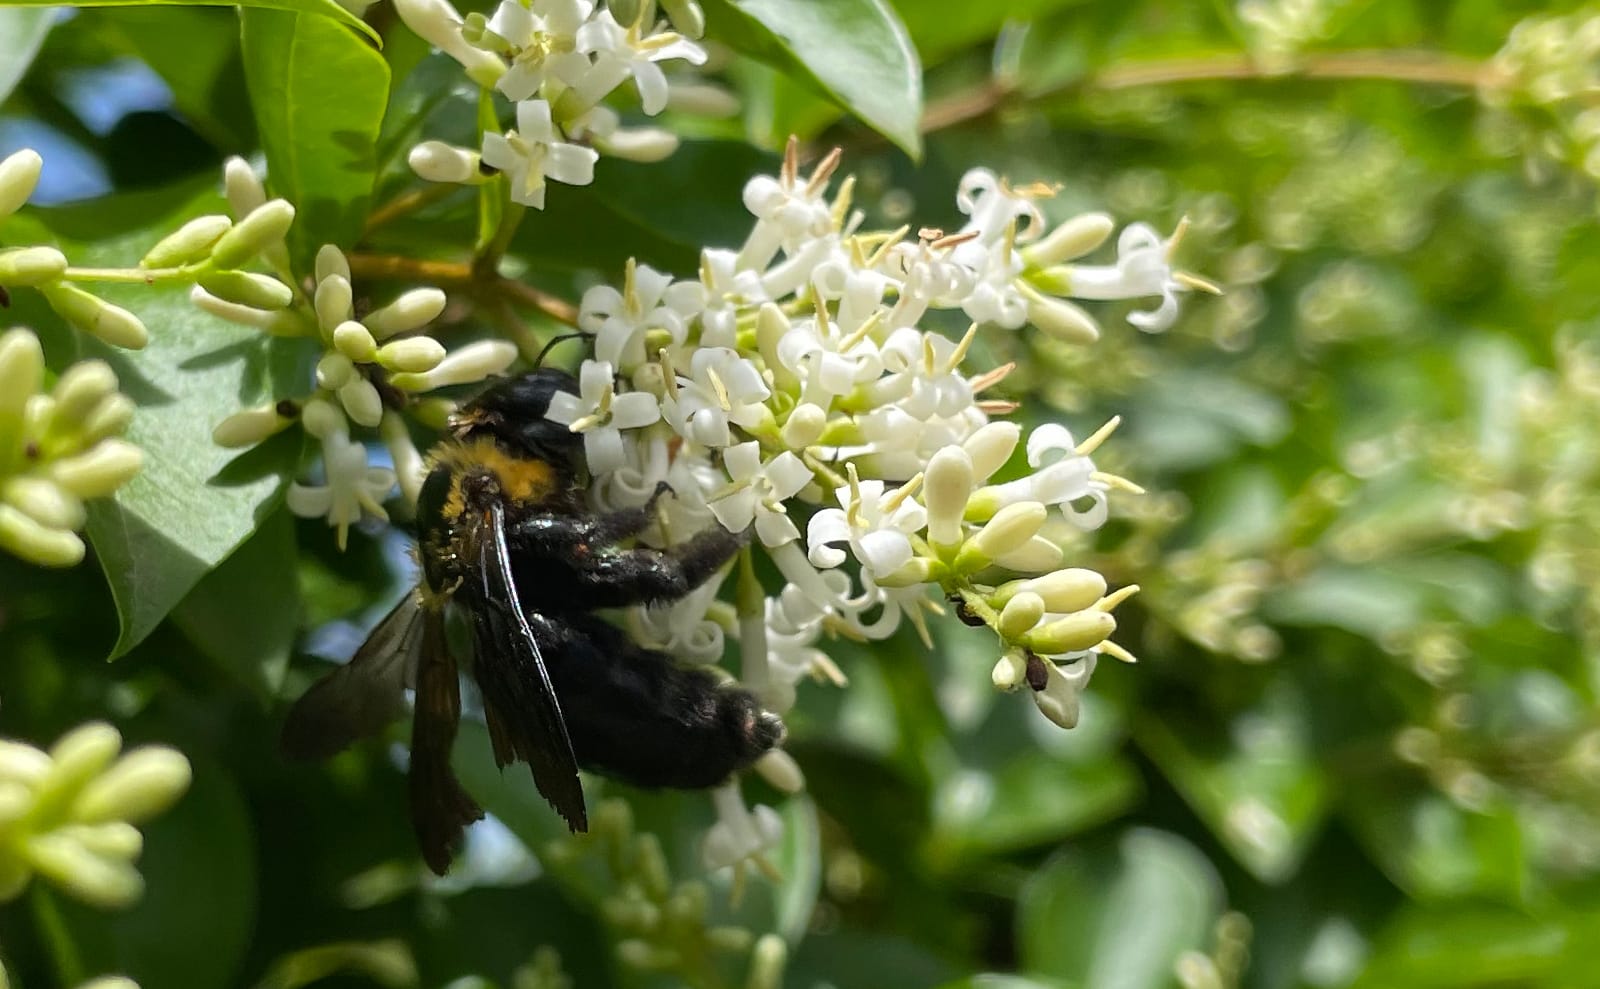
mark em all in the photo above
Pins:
pixel 505 539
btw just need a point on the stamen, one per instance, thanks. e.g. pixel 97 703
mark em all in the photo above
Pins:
pixel 1188 280
pixel 630 298
pixel 824 667
pixel 789 172
pixel 954 240
pixel 888 244
pixel 585 423
pixel 669 377
pixel 1116 597
pixel 1117 652
pixel 824 171
pixel 901 493
pixel 989 379
pixel 998 407
pixel 867 326
pixel 962 346
pixel 1092 444
pixel 720 389
pixel 841 202
pixel 1177 237
pixel 1116 481
pixel 853 511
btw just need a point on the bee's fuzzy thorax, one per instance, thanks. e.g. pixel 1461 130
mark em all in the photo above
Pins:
pixel 522 480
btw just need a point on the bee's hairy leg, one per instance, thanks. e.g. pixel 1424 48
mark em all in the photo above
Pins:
pixel 641 576
pixel 548 532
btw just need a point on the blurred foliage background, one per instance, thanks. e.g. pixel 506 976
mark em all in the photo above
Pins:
pixel 1361 746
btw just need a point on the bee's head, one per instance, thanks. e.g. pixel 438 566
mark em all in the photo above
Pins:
pixel 513 412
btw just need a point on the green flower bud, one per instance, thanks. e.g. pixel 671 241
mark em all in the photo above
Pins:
pixel 433 413
pixel 1077 631
pixel 242 187
pixel 355 342
pixel 945 489
pixel 191 242
pixel 321 418
pixel 81 389
pixel 330 261
pixel 44 501
pixel 686 16
pixel 411 311
pixel 14 876
pixel 804 426
pixel 282 323
pixel 21 375
pixel 22 536
pixel 1061 319
pixel 263 227
pixel 98 880
pixel 100 470
pixel 1020 615
pixel 408 464
pixel 112 839
pixel 1037 555
pixel 465 366
pixel 19 174
pixel 778 768
pixel 26 267
pixel 1071 239
pixel 361 401
pixel 22 763
pixel 141 785
pixel 650 862
pixel 110 418
pixel 247 427
pixel 1010 672
pixel 626 12
pixel 1010 528
pixel 248 289
pixel 95 316
pixel 729 939
pixel 767 962
pixel 334 371
pixel 990 447
pixel 333 301
pixel 1073 589
pixel 411 354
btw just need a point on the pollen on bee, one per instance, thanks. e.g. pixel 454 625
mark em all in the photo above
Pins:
pixel 521 479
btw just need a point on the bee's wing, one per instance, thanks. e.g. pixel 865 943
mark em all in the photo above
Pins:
pixel 520 702
pixel 363 696
pixel 440 808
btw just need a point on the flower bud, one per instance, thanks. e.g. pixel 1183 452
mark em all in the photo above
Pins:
pixel 262 228
pixel 433 413
pixel 141 785
pixel 27 267
pixel 990 447
pixel 779 768
pixel 463 366
pixel 110 418
pixel 242 187
pixel 1037 555
pixel 436 161
pixel 247 427
pixel 283 323
pixel 1072 589
pixel 438 23
pixel 408 466
pixel 22 763
pixel 945 488
pixel 412 310
pixel 1062 320
pixel 95 316
pixel 1077 631
pixel 43 501
pixel 21 535
pixel 1072 239
pixel 354 341
pixel 21 374
pixel 771 325
pixel 112 839
pixel 1020 615
pixel 767 961
pixel 96 879
pixel 1010 528
pixel 361 401
pixel 81 754
pixel 917 570
pixel 19 174
pixel 191 242
pixel 100 470
pixel 625 12
pixel 804 426
pixel 411 354
pixel 330 261
pixel 81 388
pixel 332 301
pixel 322 419
pixel 1010 671
pixel 334 370
pixel 641 144
pixel 702 99
pixel 247 289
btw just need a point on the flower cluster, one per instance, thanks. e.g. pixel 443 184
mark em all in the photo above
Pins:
pixel 69 814
pixel 793 390
pixel 557 60
pixel 57 449
pixel 1541 82
pixel 369 371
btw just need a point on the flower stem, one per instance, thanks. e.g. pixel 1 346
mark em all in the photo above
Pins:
pixel 53 932
pixel 407 203
pixel 462 276
pixel 128 276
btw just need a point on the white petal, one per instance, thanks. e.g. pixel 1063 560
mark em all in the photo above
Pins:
pixel 1052 437
pixel 776 529
pixel 571 164
pixel 604 450
pixel 565 408
pixel 743 462
pixel 786 475
pixel 533 121
pixel 652 83
pixel 736 510
pixel 884 551
pixel 634 409
pixel 593 379
pixel 828 526
pixel 309 501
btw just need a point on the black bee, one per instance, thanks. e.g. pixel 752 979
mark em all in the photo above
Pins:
pixel 503 534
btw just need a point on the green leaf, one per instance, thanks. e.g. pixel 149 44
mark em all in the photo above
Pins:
pixel 942 28
pixel 246 613
pixel 321 145
pixel 195 50
pixel 24 31
pixel 193 503
pixel 855 52
pixel 328 9
pixel 1118 917
pixel 1471 944
pixel 1433 849
pixel 1257 785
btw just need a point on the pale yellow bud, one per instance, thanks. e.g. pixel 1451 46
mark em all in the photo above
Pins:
pixel 26 267
pixel 1010 672
pixel 22 763
pixel 141 785
pixel 330 261
pixel 412 354
pixel 1037 555
pixel 1071 239
pixel 283 323
pixel 779 768
pixel 189 243
pixel 917 570
pixel 95 879
pixel 249 289
pixel 361 401
pixel 19 174
pixel 1020 615
pixel 355 342
pixel 411 311
pixel 95 316
pixel 436 161
pixel 247 427
pixel 946 486
pixel 767 961
pixel 21 375
pixel 100 470
pixel 464 366
pixel 264 227
pixel 81 388
pixel 1063 320
pixel 113 839
pixel 322 419
pixel 333 301
pixel 804 426
pixel 242 186
pixel 81 754
pixel 22 536
pixel 44 501
pixel 1072 589
pixel 1010 528
pixel 110 418
pixel 686 16
pixel 641 144
pixel 1077 631
pixel 990 447
pixel 334 371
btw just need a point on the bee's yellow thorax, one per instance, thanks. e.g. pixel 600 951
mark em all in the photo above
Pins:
pixel 522 480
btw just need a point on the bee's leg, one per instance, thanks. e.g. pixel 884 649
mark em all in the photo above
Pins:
pixel 641 576
pixel 550 532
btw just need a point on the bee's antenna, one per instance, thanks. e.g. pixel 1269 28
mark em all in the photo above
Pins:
pixel 539 361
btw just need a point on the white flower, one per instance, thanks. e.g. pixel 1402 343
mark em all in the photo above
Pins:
pixel 725 289
pixel 533 153
pixel 600 414
pixel 1063 474
pixel 789 211
pixel 1064 685
pixel 930 276
pixel 740 836
pixel 655 457
pixel 351 488
pixel 620 52
pixel 648 301
pixel 827 363
pixel 994 206
pixel 1143 268
pixel 924 378
pixel 724 388
pixel 877 525
pixel 683 627
pixel 542 39
pixel 758 492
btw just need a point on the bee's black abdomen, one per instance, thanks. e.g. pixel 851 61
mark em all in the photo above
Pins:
pixel 635 715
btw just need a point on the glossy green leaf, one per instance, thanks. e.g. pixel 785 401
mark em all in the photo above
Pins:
pixel 321 151
pixel 1258 786
pixel 24 29
pixel 1460 946
pixel 195 51
pixel 1118 916
pixel 855 52
pixel 328 9
pixel 1434 849
pixel 940 29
